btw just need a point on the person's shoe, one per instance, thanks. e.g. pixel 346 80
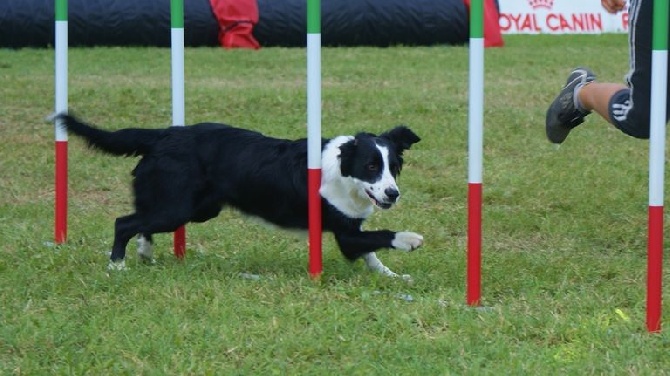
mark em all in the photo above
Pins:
pixel 563 114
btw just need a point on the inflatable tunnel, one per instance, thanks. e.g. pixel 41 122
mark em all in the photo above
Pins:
pixel 243 23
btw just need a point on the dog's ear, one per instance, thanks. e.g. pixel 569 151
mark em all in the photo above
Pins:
pixel 347 153
pixel 402 137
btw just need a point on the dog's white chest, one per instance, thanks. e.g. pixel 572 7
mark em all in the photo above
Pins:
pixel 346 199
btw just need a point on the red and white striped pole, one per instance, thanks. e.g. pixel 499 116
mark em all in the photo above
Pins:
pixel 178 111
pixel 61 98
pixel 314 135
pixel 475 151
pixel 657 123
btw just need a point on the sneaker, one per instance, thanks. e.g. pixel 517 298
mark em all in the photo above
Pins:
pixel 563 114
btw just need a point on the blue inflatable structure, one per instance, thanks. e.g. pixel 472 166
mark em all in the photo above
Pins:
pixel 30 23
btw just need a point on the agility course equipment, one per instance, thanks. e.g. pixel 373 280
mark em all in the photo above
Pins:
pixel 475 151
pixel 365 23
pixel 657 124
pixel 178 104
pixel 28 23
pixel 314 135
pixel 656 160
pixel 61 96
pixel 61 99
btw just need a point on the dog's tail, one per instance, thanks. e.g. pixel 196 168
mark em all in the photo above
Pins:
pixel 123 142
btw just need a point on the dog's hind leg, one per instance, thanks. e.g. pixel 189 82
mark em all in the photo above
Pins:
pixel 144 248
pixel 131 225
pixel 124 229
pixel 156 222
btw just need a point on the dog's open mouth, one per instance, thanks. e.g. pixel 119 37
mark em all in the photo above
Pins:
pixel 381 205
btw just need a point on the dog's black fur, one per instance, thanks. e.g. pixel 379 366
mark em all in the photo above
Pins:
pixel 188 174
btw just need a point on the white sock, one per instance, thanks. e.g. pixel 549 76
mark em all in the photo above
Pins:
pixel 575 97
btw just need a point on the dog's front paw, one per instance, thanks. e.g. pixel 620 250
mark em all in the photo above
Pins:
pixel 407 241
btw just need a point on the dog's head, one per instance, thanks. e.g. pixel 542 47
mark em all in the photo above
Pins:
pixel 374 162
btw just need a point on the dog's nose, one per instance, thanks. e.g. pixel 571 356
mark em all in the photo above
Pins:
pixel 392 194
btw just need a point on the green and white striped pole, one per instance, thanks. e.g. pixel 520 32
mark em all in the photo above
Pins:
pixel 475 151
pixel 61 98
pixel 178 116
pixel 314 135
pixel 657 123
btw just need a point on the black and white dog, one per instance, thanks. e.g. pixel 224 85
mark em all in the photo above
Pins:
pixel 188 174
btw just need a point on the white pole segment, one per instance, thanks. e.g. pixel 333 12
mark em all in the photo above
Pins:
pixel 657 127
pixel 314 101
pixel 177 50
pixel 476 111
pixel 61 104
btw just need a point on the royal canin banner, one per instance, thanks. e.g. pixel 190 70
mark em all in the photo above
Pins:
pixel 559 17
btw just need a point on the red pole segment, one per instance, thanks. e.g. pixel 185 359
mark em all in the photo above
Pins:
pixel 315 233
pixel 655 268
pixel 60 225
pixel 474 244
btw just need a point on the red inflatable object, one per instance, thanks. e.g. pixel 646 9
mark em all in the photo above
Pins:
pixel 492 34
pixel 236 21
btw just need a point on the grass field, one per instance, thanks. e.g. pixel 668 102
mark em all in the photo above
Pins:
pixel 564 260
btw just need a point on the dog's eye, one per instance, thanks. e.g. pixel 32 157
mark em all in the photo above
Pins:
pixel 373 167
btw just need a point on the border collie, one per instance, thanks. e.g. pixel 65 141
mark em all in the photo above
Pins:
pixel 188 174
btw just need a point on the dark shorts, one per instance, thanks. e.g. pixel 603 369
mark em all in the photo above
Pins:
pixel 629 108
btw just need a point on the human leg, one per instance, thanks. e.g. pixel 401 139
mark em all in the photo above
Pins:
pixel 624 106
pixel 596 97
pixel 629 107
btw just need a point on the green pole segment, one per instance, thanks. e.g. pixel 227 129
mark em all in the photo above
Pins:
pixel 660 22
pixel 314 16
pixel 61 10
pixel 477 19
pixel 177 14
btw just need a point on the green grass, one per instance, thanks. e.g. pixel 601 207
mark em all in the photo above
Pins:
pixel 564 229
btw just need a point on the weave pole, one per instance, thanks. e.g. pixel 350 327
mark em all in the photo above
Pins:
pixel 657 123
pixel 475 151
pixel 61 46
pixel 178 117
pixel 314 135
